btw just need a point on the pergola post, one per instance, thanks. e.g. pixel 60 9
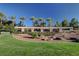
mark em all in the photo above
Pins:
pixel 22 30
pixel 71 29
pixel 41 30
pixel 50 29
pixel 32 29
pixel 60 30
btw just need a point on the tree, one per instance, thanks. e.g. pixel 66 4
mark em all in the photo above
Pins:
pixel 42 22
pixel 36 23
pixel 58 24
pixel 20 23
pixel 65 23
pixel 11 28
pixel 49 22
pixel 74 22
pixel 7 27
pixel 13 18
pixel 33 20
pixel 5 18
pixel 1 26
pixel 1 17
pixel 22 20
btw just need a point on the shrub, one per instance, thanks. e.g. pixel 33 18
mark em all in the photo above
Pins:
pixel 34 35
pixel 45 33
pixel 11 28
pixel 74 39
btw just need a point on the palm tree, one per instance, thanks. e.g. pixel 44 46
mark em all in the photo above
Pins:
pixel 74 23
pixel 49 22
pixel 40 20
pixel 13 18
pixel 36 23
pixel 43 23
pixel 58 24
pixel 65 23
pixel 22 18
pixel 33 20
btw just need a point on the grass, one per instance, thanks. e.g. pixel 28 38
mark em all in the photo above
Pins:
pixel 9 46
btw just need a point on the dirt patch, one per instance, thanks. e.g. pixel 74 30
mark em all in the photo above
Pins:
pixel 26 37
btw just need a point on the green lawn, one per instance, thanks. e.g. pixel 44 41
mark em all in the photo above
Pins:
pixel 11 46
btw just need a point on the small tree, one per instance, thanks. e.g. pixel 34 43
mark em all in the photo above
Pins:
pixel 13 18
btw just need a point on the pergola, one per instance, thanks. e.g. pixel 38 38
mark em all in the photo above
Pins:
pixel 41 29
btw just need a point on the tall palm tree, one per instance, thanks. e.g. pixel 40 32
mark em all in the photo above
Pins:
pixel 49 22
pixel 13 18
pixel 40 21
pixel 65 22
pixel 74 23
pixel 33 20
pixel 36 23
pixel 43 23
pixel 22 18
pixel 57 24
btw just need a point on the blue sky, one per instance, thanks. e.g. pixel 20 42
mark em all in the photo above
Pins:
pixel 56 11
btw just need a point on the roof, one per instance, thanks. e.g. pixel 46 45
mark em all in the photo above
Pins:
pixel 45 27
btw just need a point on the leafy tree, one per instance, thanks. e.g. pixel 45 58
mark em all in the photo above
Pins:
pixel 1 17
pixel 1 26
pixel 7 27
pixel 74 22
pixel 11 28
pixel 5 18
pixel 13 18
pixel 65 23
pixel 49 22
